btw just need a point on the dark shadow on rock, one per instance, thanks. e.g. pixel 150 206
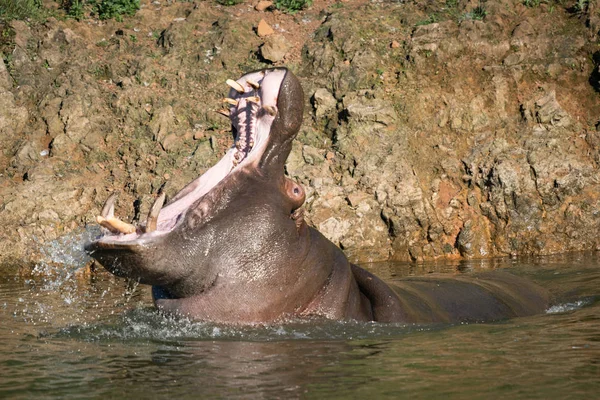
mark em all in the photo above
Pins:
pixel 595 76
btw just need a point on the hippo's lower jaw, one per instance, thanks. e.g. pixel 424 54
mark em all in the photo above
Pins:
pixel 252 108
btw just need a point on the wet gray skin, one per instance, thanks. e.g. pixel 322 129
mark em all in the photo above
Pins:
pixel 232 246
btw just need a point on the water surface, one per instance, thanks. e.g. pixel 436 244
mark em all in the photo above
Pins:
pixel 67 334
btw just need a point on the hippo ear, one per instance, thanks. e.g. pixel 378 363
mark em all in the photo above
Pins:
pixel 285 127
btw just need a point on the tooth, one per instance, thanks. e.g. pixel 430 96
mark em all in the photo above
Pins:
pixel 109 206
pixel 250 82
pixel 251 143
pixel 224 112
pixel 235 85
pixel 115 225
pixel 272 111
pixel 253 99
pixel 233 102
pixel 152 220
pixel 238 145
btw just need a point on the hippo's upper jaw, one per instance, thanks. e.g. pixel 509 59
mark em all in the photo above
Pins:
pixel 265 108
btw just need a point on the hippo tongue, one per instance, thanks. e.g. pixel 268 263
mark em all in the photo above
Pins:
pixel 252 109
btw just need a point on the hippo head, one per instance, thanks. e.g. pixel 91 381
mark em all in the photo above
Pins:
pixel 237 221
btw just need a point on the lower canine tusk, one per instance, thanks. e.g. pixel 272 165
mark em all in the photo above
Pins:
pixel 152 220
pixel 233 84
pixel 115 225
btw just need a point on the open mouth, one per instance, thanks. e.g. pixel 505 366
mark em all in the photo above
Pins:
pixel 252 108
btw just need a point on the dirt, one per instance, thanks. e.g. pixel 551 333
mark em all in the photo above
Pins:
pixel 433 129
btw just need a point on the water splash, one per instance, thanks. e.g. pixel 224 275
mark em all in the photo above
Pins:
pixel 570 306
pixel 67 251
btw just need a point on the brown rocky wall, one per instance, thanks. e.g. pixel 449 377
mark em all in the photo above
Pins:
pixel 433 129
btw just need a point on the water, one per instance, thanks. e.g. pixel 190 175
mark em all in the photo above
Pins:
pixel 68 334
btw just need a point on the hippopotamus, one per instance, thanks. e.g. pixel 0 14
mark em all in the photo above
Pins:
pixel 232 246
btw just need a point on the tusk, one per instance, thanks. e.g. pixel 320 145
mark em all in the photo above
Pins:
pixel 109 206
pixel 235 85
pixel 224 112
pixel 255 85
pixel 152 220
pixel 233 102
pixel 253 99
pixel 115 225
pixel 272 111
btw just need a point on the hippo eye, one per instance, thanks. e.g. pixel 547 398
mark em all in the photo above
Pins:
pixel 296 190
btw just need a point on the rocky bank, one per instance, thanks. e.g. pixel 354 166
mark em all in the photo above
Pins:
pixel 433 129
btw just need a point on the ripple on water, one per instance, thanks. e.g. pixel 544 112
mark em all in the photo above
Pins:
pixel 147 324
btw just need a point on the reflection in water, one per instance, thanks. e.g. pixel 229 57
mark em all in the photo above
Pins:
pixel 69 334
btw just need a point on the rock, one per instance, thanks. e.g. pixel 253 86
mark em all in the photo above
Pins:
pixel 275 48
pixel 324 102
pixel 163 122
pixel 312 155
pixel 61 145
pixel 12 117
pixel 198 135
pixel 356 198
pixel 74 117
pixel 263 5
pixel 27 152
pixel 548 111
pixel 514 59
pixel 93 139
pixel 204 153
pixel 22 33
pixel 169 142
pixel 334 229
pixel 5 79
pixel 395 44
pixel 362 109
pixel 125 82
pixel 264 29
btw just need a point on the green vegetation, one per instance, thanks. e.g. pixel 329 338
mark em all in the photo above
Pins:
pixel 101 71
pixel 581 6
pixel 103 9
pixel 451 11
pixel 478 14
pixel 229 2
pixel 531 3
pixel 20 9
pixel 291 6
pixel 447 12
pixel 74 9
pixel 108 9
pixel 432 19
